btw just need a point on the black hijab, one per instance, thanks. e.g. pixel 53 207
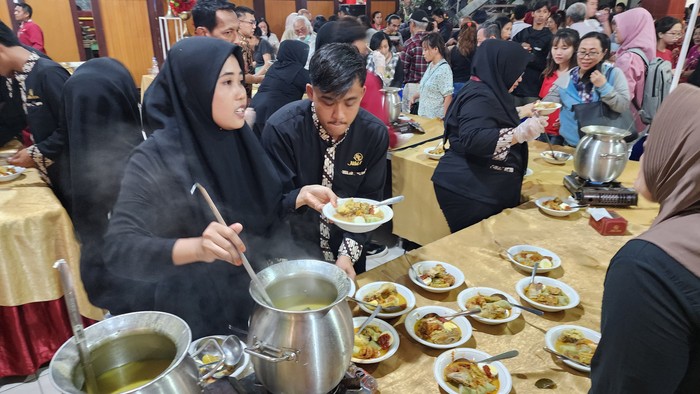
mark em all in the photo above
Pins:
pixel 230 164
pixel 291 60
pixel 499 64
pixel 101 117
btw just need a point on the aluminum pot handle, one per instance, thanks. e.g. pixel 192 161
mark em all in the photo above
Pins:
pixel 616 156
pixel 270 353
pixel 219 364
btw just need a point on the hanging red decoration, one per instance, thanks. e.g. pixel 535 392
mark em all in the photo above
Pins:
pixel 178 6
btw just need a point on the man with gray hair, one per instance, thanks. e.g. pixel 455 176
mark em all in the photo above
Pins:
pixel 487 30
pixel 304 32
pixel 414 65
pixel 575 19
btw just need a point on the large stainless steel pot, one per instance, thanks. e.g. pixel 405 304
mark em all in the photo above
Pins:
pixel 131 338
pixel 601 155
pixel 392 103
pixel 306 351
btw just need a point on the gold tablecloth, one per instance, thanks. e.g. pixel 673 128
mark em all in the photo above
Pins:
pixel 36 231
pixel 419 218
pixel 146 81
pixel 433 130
pixel 585 256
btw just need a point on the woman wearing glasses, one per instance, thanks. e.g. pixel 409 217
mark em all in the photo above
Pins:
pixel 668 32
pixel 635 33
pixel 591 81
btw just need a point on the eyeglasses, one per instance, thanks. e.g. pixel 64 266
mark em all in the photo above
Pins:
pixel 243 21
pixel 587 54
pixel 674 33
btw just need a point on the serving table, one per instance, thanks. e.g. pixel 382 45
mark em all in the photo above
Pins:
pixel 585 257
pixel 36 231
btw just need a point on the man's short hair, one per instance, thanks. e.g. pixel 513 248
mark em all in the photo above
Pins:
pixel 577 12
pixel 8 38
pixel 519 11
pixel 392 17
pixel 346 30
pixel 242 10
pixel 204 12
pixel 26 7
pixel 439 12
pixel 335 67
pixel 540 4
pixel 491 29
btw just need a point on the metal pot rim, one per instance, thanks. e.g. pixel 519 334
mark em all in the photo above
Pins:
pixel 608 131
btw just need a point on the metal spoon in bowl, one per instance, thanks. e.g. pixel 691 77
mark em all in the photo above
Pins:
pixel 531 310
pixel 563 357
pixel 369 319
pixel 504 250
pixel 462 313
pixel 386 309
pixel 502 356
pixel 233 350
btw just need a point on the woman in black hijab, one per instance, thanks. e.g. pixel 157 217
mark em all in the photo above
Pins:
pixel 284 82
pixel 103 126
pixel 162 233
pixel 482 171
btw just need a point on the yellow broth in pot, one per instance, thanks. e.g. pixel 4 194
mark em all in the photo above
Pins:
pixel 302 292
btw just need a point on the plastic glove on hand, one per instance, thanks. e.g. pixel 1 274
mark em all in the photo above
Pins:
pixel 529 129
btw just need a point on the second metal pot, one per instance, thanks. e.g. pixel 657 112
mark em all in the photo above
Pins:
pixel 392 103
pixel 601 155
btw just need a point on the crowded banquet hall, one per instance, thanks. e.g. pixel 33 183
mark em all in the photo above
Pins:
pixel 349 196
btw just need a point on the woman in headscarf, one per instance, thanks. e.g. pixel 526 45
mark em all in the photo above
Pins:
pixel 163 232
pixel 635 30
pixel 481 173
pixel 650 321
pixel 100 106
pixel 284 82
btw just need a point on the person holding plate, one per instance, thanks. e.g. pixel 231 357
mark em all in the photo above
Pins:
pixel 330 140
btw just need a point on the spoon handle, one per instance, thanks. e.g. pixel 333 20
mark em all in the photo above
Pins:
pixel 369 319
pixel 390 201
pixel 463 313
pixel 556 353
pixel 502 356
pixel 531 310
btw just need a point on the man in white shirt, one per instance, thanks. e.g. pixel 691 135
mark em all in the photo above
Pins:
pixel 576 19
pixel 519 24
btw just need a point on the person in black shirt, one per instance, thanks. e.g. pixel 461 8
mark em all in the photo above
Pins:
pixel 461 56
pixel 538 40
pixel 330 140
pixel 443 24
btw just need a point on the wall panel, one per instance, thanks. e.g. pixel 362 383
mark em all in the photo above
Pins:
pixel 320 7
pixel 5 15
pixel 386 7
pixel 127 34
pixel 276 13
pixel 56 21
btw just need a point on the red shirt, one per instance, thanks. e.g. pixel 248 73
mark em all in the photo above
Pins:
pixel 554 116
pixel 373 101
pixel 30 34
pixel 666 55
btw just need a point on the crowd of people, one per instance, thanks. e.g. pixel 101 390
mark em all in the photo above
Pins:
pixel 271 160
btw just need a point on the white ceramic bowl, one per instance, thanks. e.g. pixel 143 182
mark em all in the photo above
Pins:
pixel 434 156
pixel 550 339
pixel 559 158
pixel 353 288
pixel 464 326
pixel 552 212
pixel 423 266
pixel 384 326
pixel 329 212
pixel 465 295
pixel 7 153
pixel 242 363
pixel 443 360
pixel 18 172
pixel 513 250
pixel 574 298
pixel 546 111
pixel 529 172
pixel 374 286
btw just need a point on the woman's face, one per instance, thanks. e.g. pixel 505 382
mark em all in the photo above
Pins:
pixel 229 101
pixel 263 26
pixel 384 48
pixel 378 19
pixel 551 25
pixel 673 35
pixel 507 29
pixel 562 52
pixel 589 54
pixel 696 36
pixel 429 53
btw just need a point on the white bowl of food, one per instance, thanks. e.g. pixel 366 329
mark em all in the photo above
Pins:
pixel 358 215
pixel 555 206
pixel 209 355
pixel 8 173
pixel 525 256
pixel 493 310
pixel 386 294
pixel 457 365
pixel 576 342
pixel 556 157
pixel 376 343
pixel 7 153
pixel 549 295
pixel 546 108
pixel 436 276
pixel 435 153
pixel 425 326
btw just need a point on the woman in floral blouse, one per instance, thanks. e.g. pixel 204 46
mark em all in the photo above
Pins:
pixel 383 62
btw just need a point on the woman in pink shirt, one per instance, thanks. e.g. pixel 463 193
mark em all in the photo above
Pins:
pixel 635 29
